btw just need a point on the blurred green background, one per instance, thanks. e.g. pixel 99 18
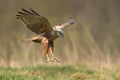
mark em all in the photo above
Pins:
pixel 94 40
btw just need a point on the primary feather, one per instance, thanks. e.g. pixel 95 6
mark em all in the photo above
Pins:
pixel 34 21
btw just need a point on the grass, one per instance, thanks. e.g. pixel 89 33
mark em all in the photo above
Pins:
pixel 57 72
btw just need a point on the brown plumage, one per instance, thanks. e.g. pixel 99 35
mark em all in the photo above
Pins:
pixel 46 33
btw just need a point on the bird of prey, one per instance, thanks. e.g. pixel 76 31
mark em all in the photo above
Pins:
pixel 46 34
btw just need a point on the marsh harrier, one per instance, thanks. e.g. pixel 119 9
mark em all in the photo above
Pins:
pixel 46 34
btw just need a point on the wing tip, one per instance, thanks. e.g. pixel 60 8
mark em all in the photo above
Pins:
pixel 29 11
pixel 72 19
pixel 34 12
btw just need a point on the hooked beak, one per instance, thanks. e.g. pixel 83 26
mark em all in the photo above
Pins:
pixel 60 33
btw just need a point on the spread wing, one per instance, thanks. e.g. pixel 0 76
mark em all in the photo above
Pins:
pixel 34 21
pixel 71 21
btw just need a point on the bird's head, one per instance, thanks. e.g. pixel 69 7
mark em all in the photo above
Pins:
pixel 60 33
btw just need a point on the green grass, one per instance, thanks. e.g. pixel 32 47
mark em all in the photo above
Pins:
pixel 57 72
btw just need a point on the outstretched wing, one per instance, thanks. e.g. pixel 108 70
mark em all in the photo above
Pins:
pixel 71 21
pixel 34 21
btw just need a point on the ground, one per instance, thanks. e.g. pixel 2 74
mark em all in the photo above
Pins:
pixel 57 72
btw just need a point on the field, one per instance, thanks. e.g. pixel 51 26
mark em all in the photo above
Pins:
pixel 57 72
pixel 92 43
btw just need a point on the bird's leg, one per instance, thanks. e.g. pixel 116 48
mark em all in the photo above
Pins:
pixel 45 48
pixel 48 59
pixel 51 53
pixel 50 49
